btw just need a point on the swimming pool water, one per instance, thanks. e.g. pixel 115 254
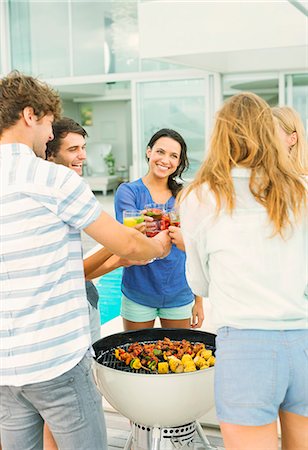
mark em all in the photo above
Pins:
pixel 109 289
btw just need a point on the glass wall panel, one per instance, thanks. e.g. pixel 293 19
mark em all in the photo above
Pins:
pixel 40 37
pixel 266 86
pixel 49 24
pixel 121 36
pixel 154 64
pixel 77 38
pixel 88 38
pixel 299 98
pixel 179 105
pixel 20 36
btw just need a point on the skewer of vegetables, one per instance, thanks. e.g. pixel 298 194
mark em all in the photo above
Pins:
pixel 166 356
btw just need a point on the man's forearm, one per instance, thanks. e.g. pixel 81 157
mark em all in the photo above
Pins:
pixel 127 242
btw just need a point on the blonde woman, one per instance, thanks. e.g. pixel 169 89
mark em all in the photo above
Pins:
pixel 245 226
pixel 292 133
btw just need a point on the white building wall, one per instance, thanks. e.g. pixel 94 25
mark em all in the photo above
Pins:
pixel 224 35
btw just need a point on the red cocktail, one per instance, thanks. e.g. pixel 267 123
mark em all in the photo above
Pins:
pixel 157 213
pixel 165 222
pixel 174 218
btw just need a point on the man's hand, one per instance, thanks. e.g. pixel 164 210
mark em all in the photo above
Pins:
pixel 127 262
pixel 164 238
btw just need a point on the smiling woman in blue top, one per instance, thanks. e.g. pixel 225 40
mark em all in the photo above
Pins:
pixel 158 289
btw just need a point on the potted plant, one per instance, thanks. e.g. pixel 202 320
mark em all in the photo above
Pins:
pixel 110 163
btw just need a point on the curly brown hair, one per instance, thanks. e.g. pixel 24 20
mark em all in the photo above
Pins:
pixel 18 91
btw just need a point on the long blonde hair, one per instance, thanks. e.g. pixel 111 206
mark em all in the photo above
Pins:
pixel 289 120
pixel 245 135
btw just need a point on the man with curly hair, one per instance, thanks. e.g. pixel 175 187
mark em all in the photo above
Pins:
pixel 45 370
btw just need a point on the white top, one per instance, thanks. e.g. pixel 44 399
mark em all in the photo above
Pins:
pixel 253 280
pixel 44 323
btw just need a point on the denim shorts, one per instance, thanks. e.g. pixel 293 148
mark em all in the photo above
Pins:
pixel 259 372
pixel 70 404
pixel 135 312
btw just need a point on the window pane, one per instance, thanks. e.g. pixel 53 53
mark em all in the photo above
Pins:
pixel 122 36
pixel 300 96
pixel 88 38
pixel 50 38
pixel 266 86
pixel 38 46
pixel 179 105
pixel 20 36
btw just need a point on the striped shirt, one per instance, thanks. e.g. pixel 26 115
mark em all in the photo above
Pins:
pixel 44 324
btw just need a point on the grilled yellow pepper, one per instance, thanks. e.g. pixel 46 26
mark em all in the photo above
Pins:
pixel 205 354
pixel 163 367
pixel 199 362
pixel 211 361
pixel 135 364
pixel 190 367
pixel 175 365
pixel 186 358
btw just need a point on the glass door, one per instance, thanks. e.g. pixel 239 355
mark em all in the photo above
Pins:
pixel 181 104
pixel 296 94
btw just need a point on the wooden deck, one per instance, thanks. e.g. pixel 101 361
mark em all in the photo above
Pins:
pixel 118 429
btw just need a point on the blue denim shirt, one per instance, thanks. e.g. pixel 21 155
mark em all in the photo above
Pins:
pixel 162 283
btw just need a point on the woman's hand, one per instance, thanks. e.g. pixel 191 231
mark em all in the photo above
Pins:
pixel 176 237
pixel 150 225
pixel 140 227
pixel 197 313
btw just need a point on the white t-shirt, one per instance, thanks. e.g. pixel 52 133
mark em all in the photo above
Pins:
pixel 253 280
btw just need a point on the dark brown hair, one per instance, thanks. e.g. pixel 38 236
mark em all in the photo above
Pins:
pixel 173 184
pixel 60 129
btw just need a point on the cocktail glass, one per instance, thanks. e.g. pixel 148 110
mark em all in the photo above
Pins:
pixel 157 212
pixel 174 217
pixel 132 218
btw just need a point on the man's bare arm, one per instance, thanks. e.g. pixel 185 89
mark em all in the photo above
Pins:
pixel 128 242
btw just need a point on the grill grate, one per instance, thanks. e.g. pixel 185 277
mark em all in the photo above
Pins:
pixel 108 359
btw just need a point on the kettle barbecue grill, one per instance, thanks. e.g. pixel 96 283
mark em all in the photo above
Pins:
pixel 163 408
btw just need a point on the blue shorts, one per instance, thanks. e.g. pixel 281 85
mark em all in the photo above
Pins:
pixel 258 372
pixel 139 313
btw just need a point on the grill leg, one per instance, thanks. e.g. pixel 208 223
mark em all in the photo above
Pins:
pixel 128 443
pixel 155 444
pixel 203 438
